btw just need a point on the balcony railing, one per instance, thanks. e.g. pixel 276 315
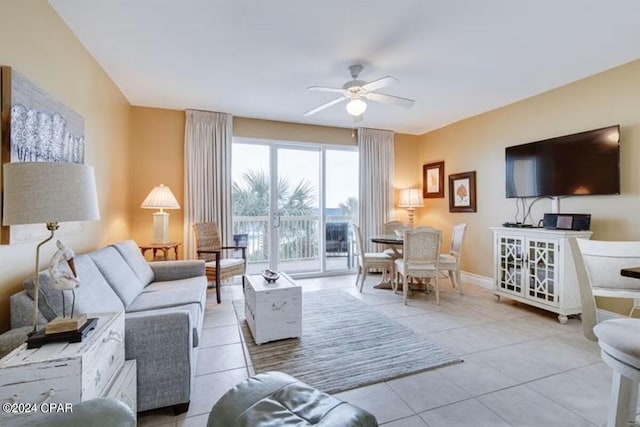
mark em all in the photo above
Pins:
pixel 299 238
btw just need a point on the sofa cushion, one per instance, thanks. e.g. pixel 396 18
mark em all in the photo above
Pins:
pixel 92 296
pixel 129 250
pixel 162 295
pixel 187 285
pixel 117 273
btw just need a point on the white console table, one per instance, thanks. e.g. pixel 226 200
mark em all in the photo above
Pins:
pixel 68 372
pixel 534 266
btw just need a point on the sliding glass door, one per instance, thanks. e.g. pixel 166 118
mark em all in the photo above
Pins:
pixel 295 202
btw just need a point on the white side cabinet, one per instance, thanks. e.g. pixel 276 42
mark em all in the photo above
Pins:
pixel 535 266
pixel 273 311
pixel 31 379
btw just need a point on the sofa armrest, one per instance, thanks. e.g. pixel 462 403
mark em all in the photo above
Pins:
pixel 176 270
pixel 162 344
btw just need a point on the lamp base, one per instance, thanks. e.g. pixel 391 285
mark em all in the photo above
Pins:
pixel 38 338
pixel 160 227
pixel 65 324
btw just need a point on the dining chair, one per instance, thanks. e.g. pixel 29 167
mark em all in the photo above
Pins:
pixel 390 228
pixel 420 258
pixel 450 262
pixel 602 257
pixel 619 339
pixel 371 260
pixel 210 249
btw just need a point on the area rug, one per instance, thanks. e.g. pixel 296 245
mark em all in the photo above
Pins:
pixel 345 344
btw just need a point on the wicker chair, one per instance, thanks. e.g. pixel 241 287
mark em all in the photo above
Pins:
pixel 209 248
pixel 420 258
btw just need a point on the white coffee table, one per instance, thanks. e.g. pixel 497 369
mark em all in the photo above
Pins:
pixel 273 311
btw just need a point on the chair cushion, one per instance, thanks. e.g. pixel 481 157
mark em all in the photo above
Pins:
pixel 225 263
pixel 377 255
pixel 129 250
pixel 277 399
pixel 117 273
pixel 620 338
pixel 447 259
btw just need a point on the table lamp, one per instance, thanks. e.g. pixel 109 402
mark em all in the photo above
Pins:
pixel 49 193
pixel 410 198
pixel 161 198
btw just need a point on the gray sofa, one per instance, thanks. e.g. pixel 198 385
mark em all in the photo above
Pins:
pixel 164 306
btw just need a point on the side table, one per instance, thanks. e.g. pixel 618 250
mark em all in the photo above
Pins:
pixel 273 310
pixel 163 248
pixel 66 373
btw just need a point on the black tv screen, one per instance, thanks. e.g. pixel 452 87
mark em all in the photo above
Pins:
pixel 579 164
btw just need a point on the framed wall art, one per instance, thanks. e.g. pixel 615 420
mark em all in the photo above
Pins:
pixel 433 180
pixel 462 192
pixel 35 127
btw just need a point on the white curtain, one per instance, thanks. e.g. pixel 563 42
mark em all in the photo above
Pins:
pixel 376 181
pixel 207 174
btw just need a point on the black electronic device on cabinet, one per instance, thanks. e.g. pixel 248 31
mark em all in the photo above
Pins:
pixel 567 221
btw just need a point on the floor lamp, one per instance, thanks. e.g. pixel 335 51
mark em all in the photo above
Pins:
pixel 49 193
pixel 410 198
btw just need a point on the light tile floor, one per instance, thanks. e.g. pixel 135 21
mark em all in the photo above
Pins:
pixel 522 368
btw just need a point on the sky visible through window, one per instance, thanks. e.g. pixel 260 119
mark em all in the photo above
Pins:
pixel 341 165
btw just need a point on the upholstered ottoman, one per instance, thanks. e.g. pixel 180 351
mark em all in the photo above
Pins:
pixel 277 399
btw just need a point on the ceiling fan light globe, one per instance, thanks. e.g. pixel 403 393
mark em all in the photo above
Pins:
pixel 356 107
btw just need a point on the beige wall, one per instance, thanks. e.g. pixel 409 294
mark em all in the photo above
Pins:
pixel 408 172
pixel 158 158
pixel 285 131
pixel 35 42
pixel 478 143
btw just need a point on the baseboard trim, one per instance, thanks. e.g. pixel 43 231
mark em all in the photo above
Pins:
pixel 476 279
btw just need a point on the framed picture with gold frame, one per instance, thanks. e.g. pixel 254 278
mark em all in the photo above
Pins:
pixel 462 192
pixel 433 180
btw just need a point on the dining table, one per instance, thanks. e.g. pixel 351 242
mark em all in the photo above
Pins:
pixel 395 242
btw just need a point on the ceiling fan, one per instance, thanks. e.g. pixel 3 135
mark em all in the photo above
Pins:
pixel 357 91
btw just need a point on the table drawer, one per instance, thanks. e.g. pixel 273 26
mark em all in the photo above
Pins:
pixel 103 360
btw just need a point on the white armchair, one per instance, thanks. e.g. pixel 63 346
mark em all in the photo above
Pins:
pixel 451 262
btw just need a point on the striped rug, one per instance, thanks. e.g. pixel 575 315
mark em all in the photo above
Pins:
pixel 345 344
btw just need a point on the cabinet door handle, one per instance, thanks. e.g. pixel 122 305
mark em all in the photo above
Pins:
pixel 113 335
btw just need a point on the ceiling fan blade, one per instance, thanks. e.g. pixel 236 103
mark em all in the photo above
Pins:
pixel 380 83
pixel 326 89
pixel 326 105
pixel 389 99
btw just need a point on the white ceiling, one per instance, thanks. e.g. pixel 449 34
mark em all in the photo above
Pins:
pixel 255 58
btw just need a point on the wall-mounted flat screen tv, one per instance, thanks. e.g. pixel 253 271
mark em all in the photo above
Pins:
pixel 580 164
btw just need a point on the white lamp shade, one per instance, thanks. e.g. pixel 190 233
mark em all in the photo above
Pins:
pixel 356 107
pixel 41 192
pixel 160 197
pixel 410 198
